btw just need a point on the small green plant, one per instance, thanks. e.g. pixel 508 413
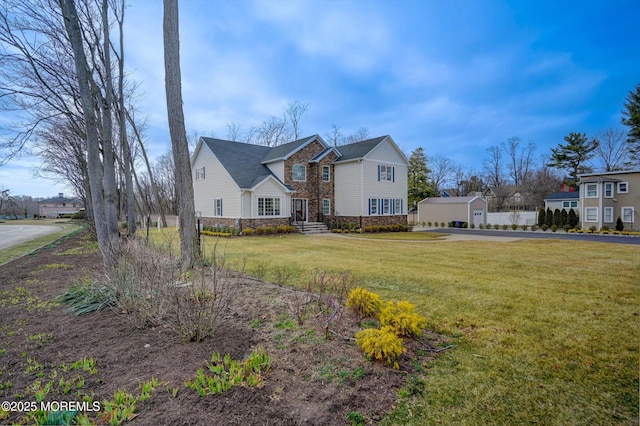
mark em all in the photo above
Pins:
pixel 355 418
pixel 496 226
pixel 363 302
pixel 381 344
pixel 524 227
pixel 402 318
pixel 514 226
pixel 119 410
pixel 85 364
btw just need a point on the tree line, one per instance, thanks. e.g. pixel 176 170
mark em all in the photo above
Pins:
pixel 512 163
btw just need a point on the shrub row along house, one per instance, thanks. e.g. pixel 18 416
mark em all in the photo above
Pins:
pixel 243 185
pixel 605 197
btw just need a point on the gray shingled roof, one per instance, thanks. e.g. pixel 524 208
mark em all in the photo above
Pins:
pixel 243 161
pixel 449 200
pixel 357 150
pixel 284 151
pixel 563 196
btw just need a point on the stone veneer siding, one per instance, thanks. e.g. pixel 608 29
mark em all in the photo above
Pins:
pixel 372 220
pixel 313 189
pixel 245 223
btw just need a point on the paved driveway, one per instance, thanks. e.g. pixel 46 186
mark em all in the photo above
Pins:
pixel 618 239
pixel 10 235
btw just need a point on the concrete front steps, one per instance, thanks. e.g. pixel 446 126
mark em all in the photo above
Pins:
pixel 308 228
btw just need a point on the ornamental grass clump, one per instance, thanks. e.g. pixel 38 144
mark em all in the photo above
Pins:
pixel 402 318
pixel 364 303
pixel 381 344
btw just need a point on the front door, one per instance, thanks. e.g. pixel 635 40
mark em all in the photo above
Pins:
pixel 299 210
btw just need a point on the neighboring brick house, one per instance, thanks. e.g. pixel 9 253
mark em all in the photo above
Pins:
pixel 60 206
pixel 243 185
pixel 605 197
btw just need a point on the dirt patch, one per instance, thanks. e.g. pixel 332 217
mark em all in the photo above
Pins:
pixel 312 380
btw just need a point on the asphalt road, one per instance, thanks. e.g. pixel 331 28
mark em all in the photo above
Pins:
pixel 608 238
pixel 10 235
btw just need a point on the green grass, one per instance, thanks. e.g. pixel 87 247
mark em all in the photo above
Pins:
pixel 18 250
pixel 547 331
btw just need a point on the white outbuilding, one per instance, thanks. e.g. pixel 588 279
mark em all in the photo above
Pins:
pixel 460 210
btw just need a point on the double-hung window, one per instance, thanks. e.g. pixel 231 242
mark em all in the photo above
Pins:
pixel 592 190
pixel 200 173
pixel 299 173
pixel 627 214
pixel 326 206
pixel 386 173
pixel 608 214
pixel 398 206
pixel 217 207
pixel 591 214
pixel 608 189
pixel 326 173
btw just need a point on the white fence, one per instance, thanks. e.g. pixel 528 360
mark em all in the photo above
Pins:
pixel 510 218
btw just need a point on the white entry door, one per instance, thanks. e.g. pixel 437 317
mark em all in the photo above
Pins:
pixel 478 217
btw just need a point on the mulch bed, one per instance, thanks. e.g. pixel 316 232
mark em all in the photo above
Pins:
pixel 311 379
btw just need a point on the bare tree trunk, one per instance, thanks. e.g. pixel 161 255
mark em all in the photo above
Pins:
pixel 154 185
pixel 126 149
pixel 94 166
pixel 189 243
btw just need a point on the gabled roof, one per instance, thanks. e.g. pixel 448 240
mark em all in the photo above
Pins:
pixel 574 195
pixel 358 150
pixel 284 151
pixel 59 200
pixel 243 161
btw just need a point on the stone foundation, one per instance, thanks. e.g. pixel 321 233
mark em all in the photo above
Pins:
pixel 244 223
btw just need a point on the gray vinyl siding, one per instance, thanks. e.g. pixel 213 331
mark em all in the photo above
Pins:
pixel 348 189
pixel 216 184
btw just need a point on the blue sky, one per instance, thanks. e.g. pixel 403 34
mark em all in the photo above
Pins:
pixel 454 77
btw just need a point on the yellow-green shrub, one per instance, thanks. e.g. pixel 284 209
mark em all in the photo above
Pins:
pixel 402 318
pixel 363 302
pixel 380 343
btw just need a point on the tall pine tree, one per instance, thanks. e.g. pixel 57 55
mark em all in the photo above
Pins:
pixel 573 155
pixel 419 186
pixel 631 118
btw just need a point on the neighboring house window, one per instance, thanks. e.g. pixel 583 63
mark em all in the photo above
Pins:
pixel 268 206
pixel 386 173
pixel 218 207
pixel 326 206
pixel 608 189
pixel 608 214
pixel 574 204
pixel 592 190
pixel 627 214
pixel 299 173
pixel 565 204
pixel 326 173
pixel 591 214
pixel 623 187
pixel 373 206
pixel 200 173
pixel 569 204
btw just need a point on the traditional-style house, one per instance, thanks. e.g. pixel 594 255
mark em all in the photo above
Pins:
pixel 563 200
pixel 243 185
pixel 60 206
pixel 605 197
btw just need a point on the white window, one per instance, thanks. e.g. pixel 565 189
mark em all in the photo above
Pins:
pixel 326 206
pixel 566 204
pixel 623 187
pixel 608 214
pixel 299 173
pixel 373 206
pixel 608 189
pixel 217 207
pixel 326 173
pixel 386 173
pixel 386 206
pixel 591 214
pixel 574 204
pixel 268 206
pixel 200 173
pixel 398 206
pixel 592 190
pixel 627 214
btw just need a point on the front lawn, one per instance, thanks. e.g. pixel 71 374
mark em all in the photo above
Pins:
pixel 547 331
